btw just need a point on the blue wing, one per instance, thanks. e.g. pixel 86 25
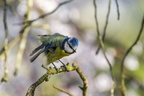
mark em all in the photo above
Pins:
pixel 42 48
pixel 49 44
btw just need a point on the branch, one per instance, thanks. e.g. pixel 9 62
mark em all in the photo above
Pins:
pixel 23 40
pixel 22 37
pixel 95 16
pixel 21 49
pixel 47 14
pixel 100 38
pixel 106 24
pixel 118 12
pixel 62 90
pixel 32 88
pixel 85 83
pixel 103 49
pixel 4 78
pixel 127 52
pixel 50 71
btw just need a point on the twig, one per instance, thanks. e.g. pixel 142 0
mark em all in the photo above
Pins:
pixel 106 24
pixel 62 90
pixel 85 82
pixel 107 18
pixel 21 50
pixel 47 14
pixel 118 12
pixel 50 71
pixel 32 88
pixel 100 39
pixel 4 78
pixel 95 15
pixel 103 49
pixel 127 52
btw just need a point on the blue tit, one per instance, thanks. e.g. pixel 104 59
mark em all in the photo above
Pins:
pixel 55 47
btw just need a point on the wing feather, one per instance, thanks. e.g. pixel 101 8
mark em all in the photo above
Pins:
pixel 37 49
pixel 36 55
pixel 49 42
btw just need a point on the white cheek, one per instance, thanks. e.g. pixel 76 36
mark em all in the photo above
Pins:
pixel 67 48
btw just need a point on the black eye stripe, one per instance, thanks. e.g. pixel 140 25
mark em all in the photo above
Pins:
pixel 71 46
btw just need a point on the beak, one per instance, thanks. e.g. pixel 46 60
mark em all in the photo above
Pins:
pixel 74 49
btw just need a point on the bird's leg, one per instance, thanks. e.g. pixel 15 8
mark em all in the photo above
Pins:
pixel 63 65
pixel 55 67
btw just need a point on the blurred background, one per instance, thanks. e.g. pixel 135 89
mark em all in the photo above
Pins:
pixel 76 19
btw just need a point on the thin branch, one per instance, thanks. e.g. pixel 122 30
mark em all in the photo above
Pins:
pixel 105 26
pixel 23 33
pixel 47 14
pixel 85 82
pixel 50 71
pixel 127 52
pixel 100 38
pixel 103 49
pixel 118 12
pixel 107 19
pixel 95 15
pixel 4 78
pixel 23 41
pixel 21 50
pixel 62 90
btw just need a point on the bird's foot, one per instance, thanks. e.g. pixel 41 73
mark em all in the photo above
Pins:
pixel 65 68
pixel 55 68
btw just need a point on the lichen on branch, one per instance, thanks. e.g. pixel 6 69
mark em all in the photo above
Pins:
pixel 52 71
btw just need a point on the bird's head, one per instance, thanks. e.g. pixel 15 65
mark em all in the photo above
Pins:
pixel 70 45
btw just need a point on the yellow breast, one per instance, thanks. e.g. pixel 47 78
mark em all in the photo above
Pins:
pixel 58 54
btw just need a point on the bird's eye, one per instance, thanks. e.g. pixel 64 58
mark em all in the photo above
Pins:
pixel 68 48
pixel 70 45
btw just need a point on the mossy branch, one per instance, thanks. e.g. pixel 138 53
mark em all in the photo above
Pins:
pixel 53 71
pixel 50 71
pixel 85 82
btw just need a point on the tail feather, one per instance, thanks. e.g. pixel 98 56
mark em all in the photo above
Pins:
pixel 37 49
pixel 36 55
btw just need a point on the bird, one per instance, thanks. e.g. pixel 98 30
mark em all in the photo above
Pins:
pixel 55 47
